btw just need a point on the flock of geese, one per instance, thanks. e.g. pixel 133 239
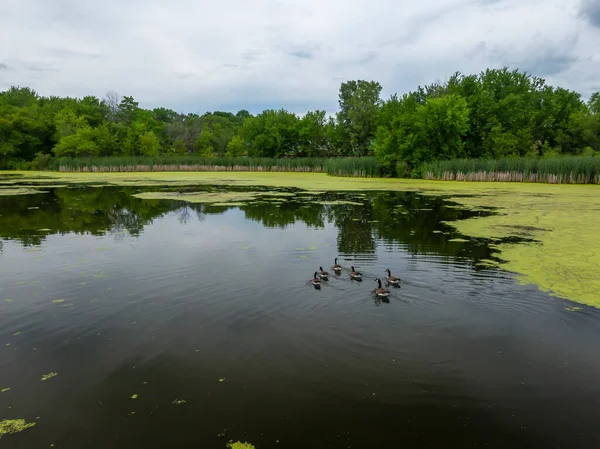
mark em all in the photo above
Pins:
pixel 337 268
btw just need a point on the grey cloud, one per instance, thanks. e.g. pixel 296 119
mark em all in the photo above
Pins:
pixel 66 53
pixel 302 54
pixel 369 57
pixel 285 54
pixel 548 60
pixel 39 67
pixel 590 10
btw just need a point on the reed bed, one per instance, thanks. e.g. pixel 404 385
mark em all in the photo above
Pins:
pixel 556 170
pixel 359 167
pixel 147 164
pixel 364 167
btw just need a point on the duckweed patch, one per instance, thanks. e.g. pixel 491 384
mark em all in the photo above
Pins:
pixel 4 390
pixel 20 191
pixel 12 426
pixel 240 445
pixel 333 203
pixel 48 376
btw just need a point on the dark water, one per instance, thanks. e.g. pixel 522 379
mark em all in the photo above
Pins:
pixel 213 305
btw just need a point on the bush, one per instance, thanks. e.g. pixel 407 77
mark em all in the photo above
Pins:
pixel 41 161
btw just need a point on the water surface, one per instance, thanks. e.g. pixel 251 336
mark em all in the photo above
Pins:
pixel 168 302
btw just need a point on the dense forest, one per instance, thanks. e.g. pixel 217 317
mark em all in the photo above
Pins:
pixel 494 114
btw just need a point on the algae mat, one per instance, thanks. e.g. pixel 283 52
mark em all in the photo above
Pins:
pixel 564 258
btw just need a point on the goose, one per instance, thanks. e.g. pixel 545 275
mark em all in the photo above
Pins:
pixel 315 280
pixel 336 267
pixel 392 279
pixel 355 274
pixel 323 274
pixel 380 291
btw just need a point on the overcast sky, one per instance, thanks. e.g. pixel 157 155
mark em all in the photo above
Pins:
pixel 199 55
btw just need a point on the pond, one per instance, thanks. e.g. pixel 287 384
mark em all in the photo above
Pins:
pixel 162 323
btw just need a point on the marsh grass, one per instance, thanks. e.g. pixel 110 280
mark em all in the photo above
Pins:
pixel 556 170
pixel 350 166
pixel 187 163
pixel 364 167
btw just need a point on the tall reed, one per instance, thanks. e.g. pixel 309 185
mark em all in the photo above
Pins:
pixel 366 167
pixel 186 163
pixel 555 170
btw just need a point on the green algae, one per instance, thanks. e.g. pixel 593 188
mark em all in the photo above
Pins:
pixel 240 445
pixel 12 426
pixel 58 301
pixel 48 376
pixel 19 191
pixel 179 401
pixel 134 396
pixel 4 390
pixel 458 240
pixel 333 203
pixel 573 308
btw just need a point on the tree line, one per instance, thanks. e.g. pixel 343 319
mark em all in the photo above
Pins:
pixel 496 113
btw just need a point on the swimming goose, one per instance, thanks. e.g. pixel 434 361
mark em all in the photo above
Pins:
pixel 392 279
pixel 355 274
pixel 315 280
pixel 380 291
pixel 323 274
pixel 336 266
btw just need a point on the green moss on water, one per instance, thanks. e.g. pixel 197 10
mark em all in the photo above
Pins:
pixel 4 390
pixel 58 301
pixel 11 426
pixel 333 203
pixel 458 240
pixel 48 376
pixel 20 191
pixel 240 445
pixel 134 396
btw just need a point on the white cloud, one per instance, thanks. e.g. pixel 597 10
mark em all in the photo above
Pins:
pixel 197 56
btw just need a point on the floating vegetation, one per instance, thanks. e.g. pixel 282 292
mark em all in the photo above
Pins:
pixel 222 379
pixel 11 426
pixel 134 396
pixel 48 376
pixel 333 203
pixel 458 240
pixel 17 333
pixel 9 300
pixel 20 191
pixel 573 308
pixel 240 445
pixel 58 301
pixel 4 390
pixel 179 401
pixel 313 248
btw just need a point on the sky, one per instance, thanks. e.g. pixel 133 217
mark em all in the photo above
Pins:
pixel 199 55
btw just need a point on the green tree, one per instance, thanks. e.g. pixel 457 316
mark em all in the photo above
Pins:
pixel 204 145
pixel 149 144
pixel 236 147
pixel 82 143
pixel 359 104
